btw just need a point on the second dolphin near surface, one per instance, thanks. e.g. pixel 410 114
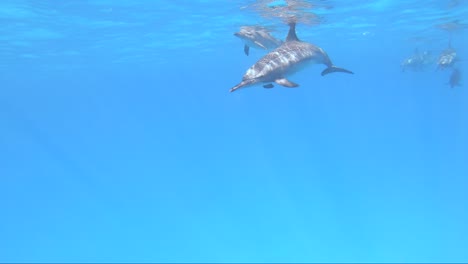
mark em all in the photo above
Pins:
pixel 257 37
pixel 290 57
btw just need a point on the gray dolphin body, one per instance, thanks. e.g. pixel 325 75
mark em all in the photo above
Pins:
pixel 418 61
pixel 455 78
pixel 447 58
pixel 257 37
pixel 292 56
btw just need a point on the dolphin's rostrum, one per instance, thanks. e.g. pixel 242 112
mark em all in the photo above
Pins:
pixel 290 57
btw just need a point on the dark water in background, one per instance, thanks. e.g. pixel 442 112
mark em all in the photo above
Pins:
pixel 120 142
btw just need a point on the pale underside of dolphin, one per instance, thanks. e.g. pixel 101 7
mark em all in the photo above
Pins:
pixel 292 56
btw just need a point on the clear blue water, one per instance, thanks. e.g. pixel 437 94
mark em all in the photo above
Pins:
pixel 119 140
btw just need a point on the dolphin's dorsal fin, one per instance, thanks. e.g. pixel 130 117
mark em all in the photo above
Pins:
pixel 292 32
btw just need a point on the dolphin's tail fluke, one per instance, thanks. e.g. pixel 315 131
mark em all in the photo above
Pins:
pixel 242 84
pixel 332 69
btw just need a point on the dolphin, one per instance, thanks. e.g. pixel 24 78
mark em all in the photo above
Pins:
pixel 455 78
pixel 257 37
pixel 287 59
pixel 448 57
pixel 418 61
pixel 452 26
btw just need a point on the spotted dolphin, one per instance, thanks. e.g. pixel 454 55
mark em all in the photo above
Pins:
pixel 447 58
pixel 418 61
pixel 292 56
pixel 257 37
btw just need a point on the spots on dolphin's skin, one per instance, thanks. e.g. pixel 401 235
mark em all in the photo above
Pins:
pixel 280 61
pixel 447 58
pixel 418 61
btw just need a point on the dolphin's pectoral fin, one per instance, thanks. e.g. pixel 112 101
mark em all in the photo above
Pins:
pixel 268 86
pixel 286 83
pixel 332 69
pixel 246 49
pixel 260 45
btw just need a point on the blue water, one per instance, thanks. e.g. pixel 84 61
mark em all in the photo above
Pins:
pixel 119 140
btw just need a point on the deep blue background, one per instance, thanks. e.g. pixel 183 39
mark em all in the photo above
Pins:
pixel 119 140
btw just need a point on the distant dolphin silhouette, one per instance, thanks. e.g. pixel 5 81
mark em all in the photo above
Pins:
pixel 455 78
pixel 418 61
pixel 290 57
